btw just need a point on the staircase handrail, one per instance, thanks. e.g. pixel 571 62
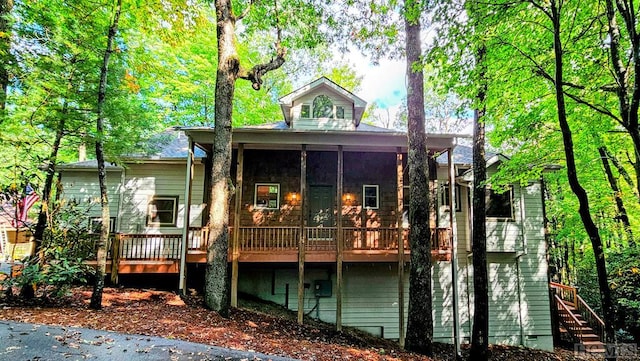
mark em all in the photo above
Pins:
pixel 565 291
pixel 565 313
pixel 590 316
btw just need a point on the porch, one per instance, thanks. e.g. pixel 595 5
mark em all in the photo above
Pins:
pixel 160 253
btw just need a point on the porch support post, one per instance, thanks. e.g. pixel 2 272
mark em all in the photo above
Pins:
pixel 182 287
pixel 235 255
pixel 339 240
pixel 302 239
pixel 454 250
pixel 399 211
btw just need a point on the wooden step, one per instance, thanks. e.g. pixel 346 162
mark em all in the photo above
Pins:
pixel 590 337
pixel 594 346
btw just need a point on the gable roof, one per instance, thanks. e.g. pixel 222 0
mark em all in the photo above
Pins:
pixel 286 102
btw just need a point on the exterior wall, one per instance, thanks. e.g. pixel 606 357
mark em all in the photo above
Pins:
pixel 82 186
pixel 520 312
pixel 283 167
pixel 143 181
pixel 310 123
pixel 129 201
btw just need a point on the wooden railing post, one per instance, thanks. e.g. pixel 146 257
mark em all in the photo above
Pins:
pixel 115 258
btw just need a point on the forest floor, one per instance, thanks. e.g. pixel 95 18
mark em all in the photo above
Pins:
pixel 255 326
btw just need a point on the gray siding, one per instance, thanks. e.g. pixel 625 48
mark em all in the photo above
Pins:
pixel 82 187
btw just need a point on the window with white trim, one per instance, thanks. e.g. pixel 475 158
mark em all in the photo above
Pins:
pixel 370 196
pixel 162 211
pixel 457 198
pixel 500 205
pixel 96 222
pixel 305 111
pixel 267 196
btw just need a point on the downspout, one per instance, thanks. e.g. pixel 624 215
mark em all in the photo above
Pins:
pixel 182 280
pixel 519 255
pixel 454 254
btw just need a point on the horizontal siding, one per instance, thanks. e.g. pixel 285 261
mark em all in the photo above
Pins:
pixel 83 188
pixel 143 181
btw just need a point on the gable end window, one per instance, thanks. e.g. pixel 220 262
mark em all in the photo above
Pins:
pixel 500 205
pixel 322 107
pixel 267 196
pixel 163 211
pixel 370 196
pixel 305 111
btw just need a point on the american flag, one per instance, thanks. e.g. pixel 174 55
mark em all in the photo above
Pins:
pixel 24 204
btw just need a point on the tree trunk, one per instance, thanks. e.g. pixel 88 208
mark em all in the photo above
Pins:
pixel 229 70
pixel 613 183
pixel 480 332
pixel 101 246
pixel 419 335
pixel 574 183
pixel 5 56
pixel 628 91
pixel 216 280
pixel 48 182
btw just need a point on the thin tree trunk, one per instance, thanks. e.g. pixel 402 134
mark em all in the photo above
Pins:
pixel 419 335
pixel 625 175
pixel 613 183
pixel 101 246
pixel 574 183
pixel 628 91
pixel 48 182
pixel 480 332
pixel 5 56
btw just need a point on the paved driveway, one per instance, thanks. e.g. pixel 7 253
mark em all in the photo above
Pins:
pixel 26 341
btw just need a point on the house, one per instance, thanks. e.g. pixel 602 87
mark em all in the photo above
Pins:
pixel 318 221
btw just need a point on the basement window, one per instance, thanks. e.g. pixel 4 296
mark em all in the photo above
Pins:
pixel 267 196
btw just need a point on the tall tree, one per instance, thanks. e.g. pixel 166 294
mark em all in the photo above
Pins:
pixel 553 12
pixel 480 333
pixel 230 69
pixel 5 55
pixel 101 245
pixel 419 336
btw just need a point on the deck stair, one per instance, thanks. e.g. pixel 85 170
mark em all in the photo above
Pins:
pixel 577 320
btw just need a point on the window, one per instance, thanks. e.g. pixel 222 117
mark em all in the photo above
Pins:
pixel 322 107
pixel 499 205
pixel 340 112
pixel 95 222
pixel 305 112
pixel 162 211
pixel 370 196
pixel 445 196
pixel 405 206
pixel 267 196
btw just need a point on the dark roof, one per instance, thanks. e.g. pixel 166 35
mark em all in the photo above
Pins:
pixel 462 154
pixel 170 144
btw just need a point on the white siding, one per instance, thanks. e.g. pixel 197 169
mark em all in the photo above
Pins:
pixel 82 186
pixel 143 181
pixel 323 123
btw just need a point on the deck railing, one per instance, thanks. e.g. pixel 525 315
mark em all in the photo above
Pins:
pixel 269 239
pixel 150 246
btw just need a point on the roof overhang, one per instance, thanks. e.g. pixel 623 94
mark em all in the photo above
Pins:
pixel 319 140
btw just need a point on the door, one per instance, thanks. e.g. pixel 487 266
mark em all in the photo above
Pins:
pixel 320 212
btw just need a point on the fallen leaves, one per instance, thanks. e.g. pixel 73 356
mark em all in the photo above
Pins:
pixel 264 328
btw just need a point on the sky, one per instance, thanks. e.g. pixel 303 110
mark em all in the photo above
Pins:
pixel 384 84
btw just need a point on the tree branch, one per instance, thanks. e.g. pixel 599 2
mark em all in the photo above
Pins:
pixel 254 75
pixel 245 12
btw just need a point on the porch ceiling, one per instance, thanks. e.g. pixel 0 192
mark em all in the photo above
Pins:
pixel 319 140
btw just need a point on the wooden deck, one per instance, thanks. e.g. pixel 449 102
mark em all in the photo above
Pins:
pixel 160 253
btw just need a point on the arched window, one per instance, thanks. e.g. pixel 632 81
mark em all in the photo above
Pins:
pixel 322 107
